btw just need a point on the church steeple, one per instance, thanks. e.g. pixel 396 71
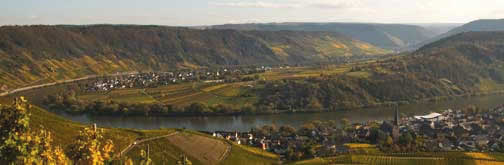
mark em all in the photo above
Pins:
pixel 396 117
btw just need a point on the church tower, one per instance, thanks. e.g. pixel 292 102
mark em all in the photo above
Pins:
pixel 395 129
pixel 396 117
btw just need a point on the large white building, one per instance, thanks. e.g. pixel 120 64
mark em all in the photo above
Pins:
pixel 430 117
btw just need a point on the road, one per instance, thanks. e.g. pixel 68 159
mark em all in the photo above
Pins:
pixel 61 82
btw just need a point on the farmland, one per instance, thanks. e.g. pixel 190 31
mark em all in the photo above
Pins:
pixel 208 150
pixel 385 160
pixel 182 94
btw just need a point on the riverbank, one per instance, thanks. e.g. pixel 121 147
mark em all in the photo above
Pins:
pixel 114 109
pixel 246 122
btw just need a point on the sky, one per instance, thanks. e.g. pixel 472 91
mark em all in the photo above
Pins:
pixel 211 12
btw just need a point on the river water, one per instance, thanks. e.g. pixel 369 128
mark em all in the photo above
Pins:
pixel 245 123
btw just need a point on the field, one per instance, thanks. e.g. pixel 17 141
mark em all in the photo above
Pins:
pixel 363 148
pixel 369 154
pixel 387 160
pixel 206 150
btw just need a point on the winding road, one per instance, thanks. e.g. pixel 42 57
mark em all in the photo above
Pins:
pixel 137 142
pixel 61 82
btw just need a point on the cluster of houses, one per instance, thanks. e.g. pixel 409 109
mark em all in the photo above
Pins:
pixel 154 79
pixel 456 130
pixel 451 130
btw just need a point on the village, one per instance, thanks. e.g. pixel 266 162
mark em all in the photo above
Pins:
pixel 155 79
pixel 469 130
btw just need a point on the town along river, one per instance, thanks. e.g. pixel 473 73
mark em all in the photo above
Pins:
pixel 245 123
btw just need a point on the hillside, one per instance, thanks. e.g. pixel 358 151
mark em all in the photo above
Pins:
pixel 478 25
pixel 387 36
pixel 465 64
pixel 198 147
pixel 40 54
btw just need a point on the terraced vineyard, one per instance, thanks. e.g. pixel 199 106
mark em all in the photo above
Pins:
pixel 388 160
pixel 206 150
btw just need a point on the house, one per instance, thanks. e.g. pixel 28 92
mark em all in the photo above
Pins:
pixel 481 141
pixel 430 117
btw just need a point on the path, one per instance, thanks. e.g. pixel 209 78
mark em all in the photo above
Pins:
pixel 59 82
pixel 226 153
pixel 137 142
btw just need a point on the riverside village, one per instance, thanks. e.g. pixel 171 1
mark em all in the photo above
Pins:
pixel 469 129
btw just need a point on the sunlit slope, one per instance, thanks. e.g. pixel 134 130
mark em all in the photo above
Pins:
pixel 40 54
pixel 387 36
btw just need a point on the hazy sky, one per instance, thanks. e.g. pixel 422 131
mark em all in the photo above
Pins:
pixel 207 12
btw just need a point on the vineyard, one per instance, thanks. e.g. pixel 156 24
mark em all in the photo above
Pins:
pixel 398 160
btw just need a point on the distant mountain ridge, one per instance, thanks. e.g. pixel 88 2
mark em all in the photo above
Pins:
pixel 387 36
pixel 478 25
pixel 31 54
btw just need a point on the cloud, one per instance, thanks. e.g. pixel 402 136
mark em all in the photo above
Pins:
pixel 33 17
pixel 334 4
pixel 321 4
pixel 257 4
pixel 497 13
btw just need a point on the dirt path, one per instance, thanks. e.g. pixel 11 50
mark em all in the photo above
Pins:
pixel 137 142
pixel 226 153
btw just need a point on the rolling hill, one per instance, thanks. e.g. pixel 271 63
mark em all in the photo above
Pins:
pixel 387 36
pixel 478 25
pixel 39 54
pixel 466 64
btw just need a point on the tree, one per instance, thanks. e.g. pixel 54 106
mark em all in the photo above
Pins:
pixel 314 104
pixel 88 147
pixel 406 138
pixel 307 129
pixel 287 130
pixel 14 123
pixel 183 160
pixel 345 123
pixel 197 108
pixel 145 158
pixel 20 145
pixel 389 141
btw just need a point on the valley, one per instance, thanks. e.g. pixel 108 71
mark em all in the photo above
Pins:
pixel 215 95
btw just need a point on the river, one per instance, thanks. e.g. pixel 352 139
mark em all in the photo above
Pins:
pixel 245 123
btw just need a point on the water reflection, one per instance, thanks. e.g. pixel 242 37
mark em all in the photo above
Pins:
pixel 245 123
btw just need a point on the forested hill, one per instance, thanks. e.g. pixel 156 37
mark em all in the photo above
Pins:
pixel 32 54
pixel 465 64
pixel 387 36
pixel 478 25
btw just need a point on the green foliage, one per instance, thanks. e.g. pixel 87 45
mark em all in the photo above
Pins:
pixel 91 148
pixel 19 144
pixel 184 160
